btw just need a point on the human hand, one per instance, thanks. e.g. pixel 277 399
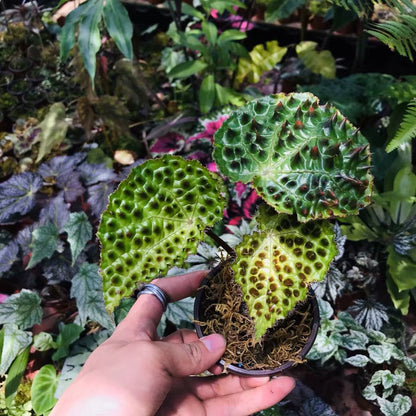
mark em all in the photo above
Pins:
pixel 134 373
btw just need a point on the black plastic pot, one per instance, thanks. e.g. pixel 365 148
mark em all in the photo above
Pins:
pixel 6 77
pixel 237 369
pixel 19 66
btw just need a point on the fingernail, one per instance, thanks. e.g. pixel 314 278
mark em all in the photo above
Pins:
pixel 214 342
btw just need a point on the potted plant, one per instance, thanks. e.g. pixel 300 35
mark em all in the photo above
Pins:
pixel 6 77
pixel 19 65
pixel 308 164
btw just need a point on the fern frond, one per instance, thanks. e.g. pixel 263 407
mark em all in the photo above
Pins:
pixel 359 7
pixel 407 129
pixel 399 35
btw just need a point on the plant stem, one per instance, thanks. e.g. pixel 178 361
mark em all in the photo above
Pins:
pixel 220 242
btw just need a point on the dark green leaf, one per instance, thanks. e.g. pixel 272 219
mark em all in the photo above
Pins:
pixel 15 375
pixel 222 5
pixel 191 11
pixel 17 194
pixel 180 311
pixel 207 93
pixel 191 41
pixel 45 242
pixel 87 290
pixel 278 9
pixel 79 353
pixel 186 69
pixel 79 232
pixel 67 335
pixel 43 389
pixel 89 38
pixel 121 311
pixel 119 26
pixel 210 32
pixel 239 50
pixel 67 40
pixel 22 309
pixel 231 34
pixel 15 341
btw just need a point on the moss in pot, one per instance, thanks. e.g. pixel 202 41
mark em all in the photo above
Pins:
pixel 305 160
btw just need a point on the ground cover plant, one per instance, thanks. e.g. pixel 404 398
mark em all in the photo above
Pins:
pixel 94 117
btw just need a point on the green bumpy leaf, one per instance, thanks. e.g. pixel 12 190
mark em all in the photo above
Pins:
pixel 275 266
pixel 153 220
pixel 302 157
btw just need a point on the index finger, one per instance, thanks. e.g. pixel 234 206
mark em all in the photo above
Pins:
pixel 142 320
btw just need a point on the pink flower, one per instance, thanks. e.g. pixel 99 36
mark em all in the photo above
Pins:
pixel 211 126
pixel 3 297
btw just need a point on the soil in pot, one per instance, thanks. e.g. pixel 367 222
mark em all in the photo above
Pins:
pixel 219 308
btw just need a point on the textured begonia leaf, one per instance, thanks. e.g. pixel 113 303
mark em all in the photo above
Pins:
pixel 15 341
pixel 56 212
pixel 71 186
pixel 60 165
pixel 68 334
pixel 275 266
pixel 98 196
pixel 87 289
pixel 94 173
pixel 79 231
pixel 45 242
pixel 17 195
pixel 22 309
pixel 58 268
pixel 302 157
pixel 154 220
pixel 8 256
pixel 79 352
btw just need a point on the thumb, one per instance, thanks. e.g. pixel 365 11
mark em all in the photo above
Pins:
pixel 195 357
